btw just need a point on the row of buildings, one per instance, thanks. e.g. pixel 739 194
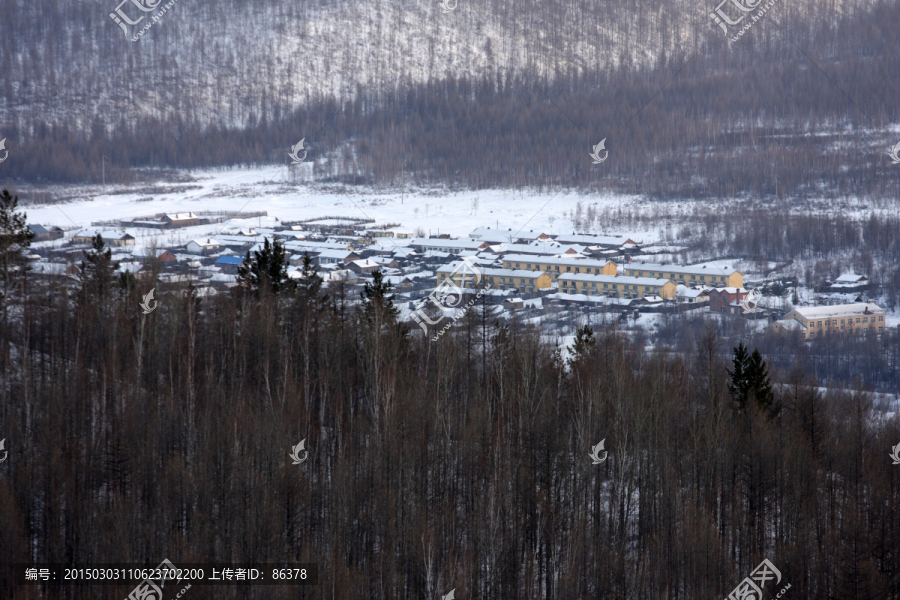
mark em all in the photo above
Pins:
pixel 567 269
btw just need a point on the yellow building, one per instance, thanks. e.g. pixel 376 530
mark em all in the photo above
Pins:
pixel 616 287
pixel 816 321
pixel 556 265
pixel 688 275
pixel 500 279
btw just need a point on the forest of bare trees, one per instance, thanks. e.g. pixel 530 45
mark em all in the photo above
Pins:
pixel 459 464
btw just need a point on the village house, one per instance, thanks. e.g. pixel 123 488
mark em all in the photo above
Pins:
pixel 693 297
pixel 688 275
pixel 145 255
pixel 496 236
pixel 229 264
pixel 42 234
pixel 603 241
pixel 363 266
pixel 175 220
pixel 447 245
pixel 110 238
pixel 816 321
pixel 204 246
pixel 849 283
pixel 727 300
pixel 328 257
pixel 615 287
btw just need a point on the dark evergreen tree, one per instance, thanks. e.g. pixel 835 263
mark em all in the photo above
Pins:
pixel 377 300
pixel 738 383
pixel 583 345
pixel 266 269
pixel 97 271
pixel 15 238
pixel 758 386
pixel 750 380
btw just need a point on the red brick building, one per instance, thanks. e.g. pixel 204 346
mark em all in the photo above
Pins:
pixel 727 300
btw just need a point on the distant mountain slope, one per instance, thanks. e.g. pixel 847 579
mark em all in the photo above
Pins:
pixel 232 62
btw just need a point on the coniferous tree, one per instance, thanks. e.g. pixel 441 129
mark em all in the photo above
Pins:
pixel 758 386
pixel 377 300
pixel 738 383
pixel 15 238
pixel 583 345
pixel 97 271
pixel 750 380
pixel 266 269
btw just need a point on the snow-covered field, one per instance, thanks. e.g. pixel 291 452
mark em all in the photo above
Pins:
pixel 432 211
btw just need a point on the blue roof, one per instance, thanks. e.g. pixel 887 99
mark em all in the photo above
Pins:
pixel 38 229
pixel 229 260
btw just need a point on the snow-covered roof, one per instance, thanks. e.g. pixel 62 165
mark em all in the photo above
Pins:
pixel 612 279
pixel 559 259
pixel 839 310
pixel 851 278
pixel 687 269
pixel 206 242
pixel 365 263
pixel 594 240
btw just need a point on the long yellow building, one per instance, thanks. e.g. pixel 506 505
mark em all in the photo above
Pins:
pixel 687 275
pixel 557 265
pixel 816 321
pixel 616 287
pixel 500 279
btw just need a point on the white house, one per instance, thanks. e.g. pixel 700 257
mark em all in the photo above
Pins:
pixel 203 246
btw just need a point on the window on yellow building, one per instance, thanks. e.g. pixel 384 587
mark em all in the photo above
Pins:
pixel 881 318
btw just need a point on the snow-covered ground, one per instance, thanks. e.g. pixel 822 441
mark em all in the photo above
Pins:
pixel 432 211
